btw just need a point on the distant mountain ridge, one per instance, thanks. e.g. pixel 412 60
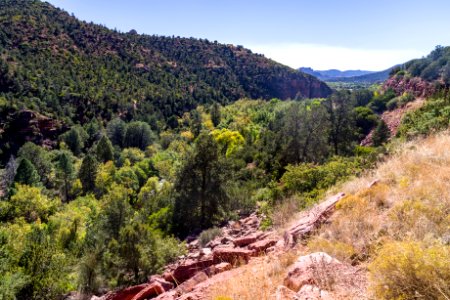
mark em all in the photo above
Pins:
pixel 350 76
pixel 375 77
pixel 333 73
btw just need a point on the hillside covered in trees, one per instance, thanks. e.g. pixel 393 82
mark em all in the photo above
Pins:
pixel 117 148
pixel 64 68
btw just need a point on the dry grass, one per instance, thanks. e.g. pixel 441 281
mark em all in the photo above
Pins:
pixel 410 203
pixel 257 280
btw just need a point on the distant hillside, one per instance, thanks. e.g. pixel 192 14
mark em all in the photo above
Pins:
pixel 64 68
pixel 330 75
pixel 371 78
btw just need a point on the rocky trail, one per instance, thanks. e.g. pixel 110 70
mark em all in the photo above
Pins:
pixel 241 243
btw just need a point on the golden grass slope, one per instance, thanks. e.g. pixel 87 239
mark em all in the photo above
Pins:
pixel 397 231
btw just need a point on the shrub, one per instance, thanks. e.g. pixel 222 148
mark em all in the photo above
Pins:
pixel 208 235
pixel 418 219
pixel 409 270
pixel 392 104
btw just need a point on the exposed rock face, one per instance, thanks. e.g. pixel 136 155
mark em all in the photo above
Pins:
pixel 152 290
pixel 394 118
pixel 262 246
pixel 190 284
pixel 232 255
pixel 416 86
pixel 29 126
pixel 244 241
pixel 311 221
pixel 189 268
pixel 239 242
pixel 308 269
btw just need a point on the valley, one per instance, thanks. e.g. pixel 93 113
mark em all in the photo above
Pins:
pixel 136 166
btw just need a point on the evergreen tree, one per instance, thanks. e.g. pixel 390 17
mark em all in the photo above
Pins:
pixel 26 173
pixel 138 135
pixel 381 134
pixel 93 131
pixel 196 122
pixel 75 139
pixel 200 188
pixel 104 150
pixel 116 131
pixel 39 157
pixel 88 173
pixel 215 114
pixel 343 131
pixel 65 173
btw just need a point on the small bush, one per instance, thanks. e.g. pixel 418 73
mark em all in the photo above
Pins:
pixel 392 104
pixel 409 270
pixel 350 202
pixel 418 219
pixel 208 235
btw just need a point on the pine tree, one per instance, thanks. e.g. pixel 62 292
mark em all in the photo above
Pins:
pixel 116 131
pixel 88 173
pixel 26 173
pixel 215 114
pixel 381 134
pixel 200 188
pixel 104 150
pixel 138 135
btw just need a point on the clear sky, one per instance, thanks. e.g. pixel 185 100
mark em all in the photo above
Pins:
pixel 323 34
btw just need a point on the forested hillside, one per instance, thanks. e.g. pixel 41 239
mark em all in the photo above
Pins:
pixel 118 148
pixel 72 70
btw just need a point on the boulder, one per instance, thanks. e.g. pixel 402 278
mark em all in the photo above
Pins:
pixel 171 295
pixel 166 285
pixel 311 221
pixel 190 284
pixel 219 268
pixel 125 294
pixel 261 246
pixel 152 290
pixel 189 268
pixel 283 293
pixel 307 269
pixel 231 255
pixel 244 241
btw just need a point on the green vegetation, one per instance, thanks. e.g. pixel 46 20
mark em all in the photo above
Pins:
pixel 433 116
pixel 141 141
pixel 80 72
pixel 109 209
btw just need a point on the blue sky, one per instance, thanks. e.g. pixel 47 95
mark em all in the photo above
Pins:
pixel 323 34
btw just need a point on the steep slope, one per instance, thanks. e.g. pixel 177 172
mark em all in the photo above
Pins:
pixel 422 77
pixel 388 238
pixel 60 66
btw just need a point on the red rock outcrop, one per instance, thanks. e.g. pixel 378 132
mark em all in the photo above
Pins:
pixel 232 255
pixel 311 221
pixel 415 85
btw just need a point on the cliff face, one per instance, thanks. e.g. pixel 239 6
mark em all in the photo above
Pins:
pixel 29 126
